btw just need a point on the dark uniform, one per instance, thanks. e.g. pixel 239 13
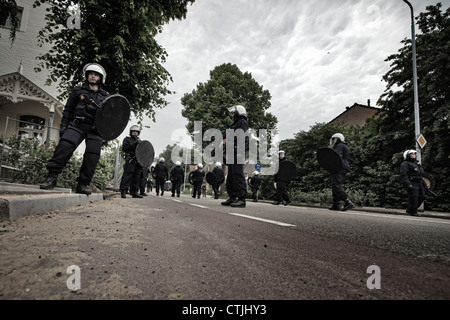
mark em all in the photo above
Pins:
pixel 281 191
pixel 254 183
pixel 220 175
pixel 177 178
pixel 411 173
pixel 337 179
pixel 161 176
pixel 236 183
pixel 131 169
pixel 197 179
pixel 77 124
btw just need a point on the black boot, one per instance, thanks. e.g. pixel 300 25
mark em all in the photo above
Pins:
pixel 123 193
pixel 335 207
pixel 276 203
pixel 348 205
pixel 50 183
pixel 228 202
pixel 83 189
pixel 240 203
pixel 137 195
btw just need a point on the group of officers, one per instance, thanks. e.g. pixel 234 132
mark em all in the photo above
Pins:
pixel 78 125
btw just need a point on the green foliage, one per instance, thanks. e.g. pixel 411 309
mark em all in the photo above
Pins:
pixel 29 157
pixel 120 37
pixel 227 87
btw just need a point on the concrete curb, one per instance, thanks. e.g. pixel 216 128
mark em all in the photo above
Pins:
pixel 15 207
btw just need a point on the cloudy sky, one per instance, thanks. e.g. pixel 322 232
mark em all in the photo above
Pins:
pixel 315 57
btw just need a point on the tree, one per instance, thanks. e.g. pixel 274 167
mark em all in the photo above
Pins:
pixel 396 131
pixel 8 10
pixel 120 37
pixel 226 87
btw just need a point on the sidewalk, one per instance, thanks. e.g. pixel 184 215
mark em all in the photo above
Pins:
pixel 19 200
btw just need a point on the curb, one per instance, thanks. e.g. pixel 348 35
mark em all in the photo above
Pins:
pixel 15 207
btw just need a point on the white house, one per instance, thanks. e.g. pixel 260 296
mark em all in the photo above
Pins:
pixel 27 106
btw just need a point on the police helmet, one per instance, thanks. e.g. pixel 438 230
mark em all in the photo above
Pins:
pixel 200 166
pixel 218 164
pixel 162 159
pixel 135 128
pixel 255 173
pixel 95 67
pixel 339 136
pixel 238 110
pixel 407 153
pixel 178 163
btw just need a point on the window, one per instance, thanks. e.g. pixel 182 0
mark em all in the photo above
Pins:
pixel 31 127
pixel 6 21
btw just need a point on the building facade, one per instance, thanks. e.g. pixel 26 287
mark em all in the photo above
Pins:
pixel 28 107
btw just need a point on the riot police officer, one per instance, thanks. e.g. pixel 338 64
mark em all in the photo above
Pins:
pixel 337 179
pixel 131 169
pixel 218 172
pixel 77 124
pixel 281 185
pixel 411 175
pixel 197 179
pixel 236 183
pixel 177 178
pixel 254 182
pixel 161 174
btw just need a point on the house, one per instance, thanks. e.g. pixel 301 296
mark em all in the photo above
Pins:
pixel 356 115
pixel 28 108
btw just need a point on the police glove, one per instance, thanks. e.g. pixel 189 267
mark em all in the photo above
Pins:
pixel 410 187
pixel 62 128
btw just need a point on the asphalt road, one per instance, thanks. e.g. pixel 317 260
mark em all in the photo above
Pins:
pixel 164 248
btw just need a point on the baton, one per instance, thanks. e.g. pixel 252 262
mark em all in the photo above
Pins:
pixel 434 194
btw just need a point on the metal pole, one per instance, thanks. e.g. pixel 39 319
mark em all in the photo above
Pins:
pixel 185 164
pixel 116 171
pixel 50 125
pixel 416 91
pixel 3 144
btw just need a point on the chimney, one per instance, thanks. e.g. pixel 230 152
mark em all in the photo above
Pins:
pixel 368 102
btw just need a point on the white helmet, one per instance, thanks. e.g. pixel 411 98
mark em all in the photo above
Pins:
pixel 339 136
pixel 135 128
pixel 218 164
pixel 96 68
pixel 178 163
pixel 255 173
pixel 162 159
pixel 200 166
pixel 407 153
pixel 238 109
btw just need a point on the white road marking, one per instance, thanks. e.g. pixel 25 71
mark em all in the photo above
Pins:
pixel 197 205
pixel 264 220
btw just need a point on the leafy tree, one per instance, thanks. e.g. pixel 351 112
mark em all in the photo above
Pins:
pixel 119 36
pixel 8 10
pixel 227 86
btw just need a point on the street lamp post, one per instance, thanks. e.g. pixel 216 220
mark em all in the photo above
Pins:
pixel 416 91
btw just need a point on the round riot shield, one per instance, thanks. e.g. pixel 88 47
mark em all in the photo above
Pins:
pixel 330 160
pixel 211 178
pixel 145 153
pixel 286 171
pixel 190 177
pixel 112 117
pixel 429 181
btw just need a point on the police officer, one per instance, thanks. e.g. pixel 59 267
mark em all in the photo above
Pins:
pixel 197 179
pixel 236 182
pixel 280 185
pixel 161 175
pixel 177 178
pixel 77 124
pixel 411 173
pixel 337 179
pixel 254 182
pixel 220 175
pixel 132 170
